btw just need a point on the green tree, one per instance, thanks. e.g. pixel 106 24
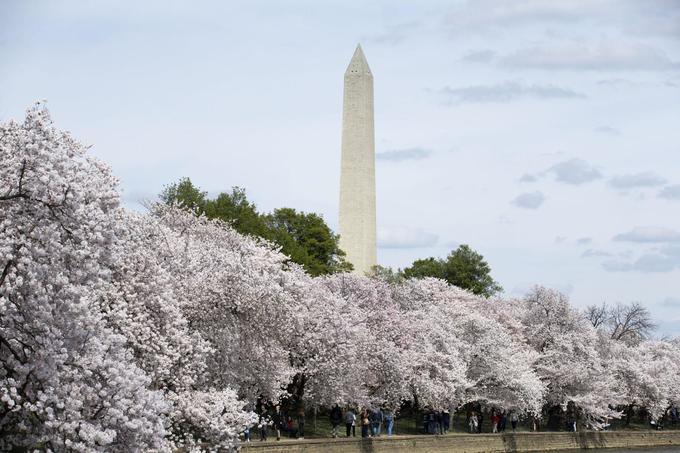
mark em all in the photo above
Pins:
pixel 303 237
pixel 463 267
pixel 183 193
pixel 386 274
pixel 307 240
pixel 427 267
pixel 235 209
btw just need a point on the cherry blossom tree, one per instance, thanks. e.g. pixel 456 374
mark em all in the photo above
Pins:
pixel 497 370
pixel 647 375
pixel 122 331
pixel 67 380
pixel 569 363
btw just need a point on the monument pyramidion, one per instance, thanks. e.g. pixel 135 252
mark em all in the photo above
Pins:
pixel 357 171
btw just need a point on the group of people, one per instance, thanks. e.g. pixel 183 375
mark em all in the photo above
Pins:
pixel 282 423
pixel 499 420
pixel 371 421
pixel 436 422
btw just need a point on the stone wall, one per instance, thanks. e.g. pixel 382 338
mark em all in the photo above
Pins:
pixel 481 443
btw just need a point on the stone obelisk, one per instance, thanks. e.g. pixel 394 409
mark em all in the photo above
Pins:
pixel 357 175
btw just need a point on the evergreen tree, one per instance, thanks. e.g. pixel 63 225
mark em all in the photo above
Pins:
pixel 463 267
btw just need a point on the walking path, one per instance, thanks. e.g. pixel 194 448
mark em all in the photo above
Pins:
pixel 473 443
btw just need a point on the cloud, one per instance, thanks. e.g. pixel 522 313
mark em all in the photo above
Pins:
pixel 627 17
pixel 607 130
pixel 616 81
pixel 399 155
pixel 672 251
pixel 649 235
pixel 671 192
pixel 479 56
pixel 583 241
pixel 527 177
pixel 530 200
pixel 394 34
pixel 603 57
pixel 592 253
pixel 633 180
pixel 482 15
pixel 662 259
pixel 505 92
pixel 574 171
pixel 616 266
pixel 671 302
pixel 651 262
pixel 655 263
pixel 405 238
pixel 560 239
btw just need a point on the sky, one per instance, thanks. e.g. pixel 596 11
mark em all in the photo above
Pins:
pixel 544 134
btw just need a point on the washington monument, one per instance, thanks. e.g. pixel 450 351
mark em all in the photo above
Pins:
pixel 357 171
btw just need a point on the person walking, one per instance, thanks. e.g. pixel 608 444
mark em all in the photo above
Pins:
pixel 446 420
pixel 277 420
pixel 473 422
pixel 301 422
pixel 514 419
pixel 350 422
pixel 480 419
pixel 503 422
pixel 388 416
pixel 376 417
pixel 290 427
pixel 364 417
pixel 336 419
pixel 495 418
pixel 263 429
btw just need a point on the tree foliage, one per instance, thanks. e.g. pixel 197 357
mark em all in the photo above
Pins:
pixel 463 267
pixel 303 237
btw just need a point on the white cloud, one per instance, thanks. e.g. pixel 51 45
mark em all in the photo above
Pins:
pixel 673 302
pixel 633 180
pixel 655 263
pixel 664 259
pixel 506 92
pixel 405 238
pixel 479 56
pixel 481 15
pixel 575 171
pixel 603 57
pixel 607 130
pixel 530 200
pixel 595 253
pixel 616 266
pixel 650 262
pixel 649 235
pixel 671 192
pixel 527 177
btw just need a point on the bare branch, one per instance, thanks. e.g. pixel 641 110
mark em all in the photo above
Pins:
pixel 631 323
pixel 597 315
